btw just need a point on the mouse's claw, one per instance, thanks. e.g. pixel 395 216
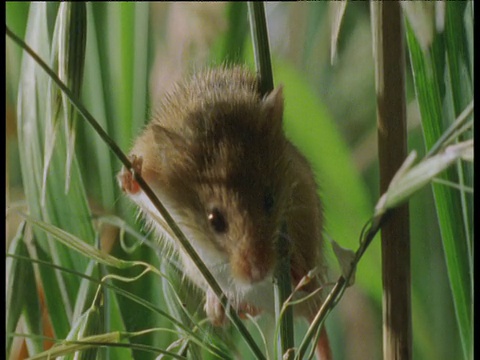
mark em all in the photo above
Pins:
pixel 126 178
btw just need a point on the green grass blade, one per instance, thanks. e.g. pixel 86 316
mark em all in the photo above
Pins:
pixel 119 103
pixel 31 112
pixel 20 284
pixel 122 35
pixel 78 244
pixel 461 84
pixel 97 161
pixel 16 19
pixel 71 58
pixel 435 97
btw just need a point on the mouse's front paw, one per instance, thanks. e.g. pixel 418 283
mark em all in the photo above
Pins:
pixel 216 313
pixel 214 309
pixel 126 178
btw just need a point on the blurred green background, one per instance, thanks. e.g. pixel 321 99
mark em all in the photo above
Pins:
pixel 136 51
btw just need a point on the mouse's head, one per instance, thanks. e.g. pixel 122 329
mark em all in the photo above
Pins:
pixel 231 167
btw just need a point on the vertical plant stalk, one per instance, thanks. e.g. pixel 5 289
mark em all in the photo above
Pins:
pixel 261 48
pixel 282 280
pixel 389 56
pixel 282 289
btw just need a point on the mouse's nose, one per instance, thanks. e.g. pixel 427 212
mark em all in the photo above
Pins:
pixel 251 266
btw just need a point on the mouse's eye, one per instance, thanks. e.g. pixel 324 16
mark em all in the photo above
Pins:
pixel 217 221
pixel 268 202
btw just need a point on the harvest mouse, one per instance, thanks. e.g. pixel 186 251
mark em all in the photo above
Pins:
pixel 216 155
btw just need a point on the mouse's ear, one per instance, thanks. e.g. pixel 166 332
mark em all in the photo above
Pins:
pixel 170 145
pixel 273 106
pixel 167 137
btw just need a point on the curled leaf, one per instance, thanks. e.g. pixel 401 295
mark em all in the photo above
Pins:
pixel 345 258
pixel 410 179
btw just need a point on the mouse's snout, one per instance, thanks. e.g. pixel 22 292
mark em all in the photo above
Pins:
pixel 252 264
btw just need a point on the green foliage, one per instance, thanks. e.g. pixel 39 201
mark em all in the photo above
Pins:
pixel 443 83
pixel 63 248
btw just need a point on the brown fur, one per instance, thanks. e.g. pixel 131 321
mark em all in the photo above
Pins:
pixel 216 144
